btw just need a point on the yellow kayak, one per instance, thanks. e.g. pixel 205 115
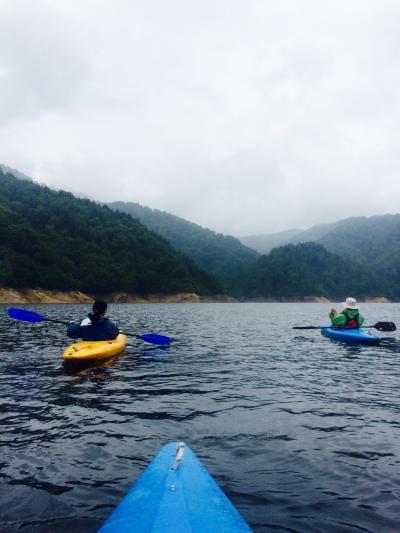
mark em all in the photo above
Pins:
pixel 95 350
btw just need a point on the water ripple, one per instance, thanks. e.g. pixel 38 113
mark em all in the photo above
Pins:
pixel 302 433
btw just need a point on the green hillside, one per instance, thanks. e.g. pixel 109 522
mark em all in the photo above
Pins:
pixel 364 239
pixel 303 270
pixel 223 256
pixel 374 243
pixel 388 269
pixel 265 242
pixel 371 242
pixel 53 240
pixel 313 234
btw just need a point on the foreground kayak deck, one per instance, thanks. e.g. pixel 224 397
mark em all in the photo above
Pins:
pixel 175 494
pixel 95 350
pixel 360 335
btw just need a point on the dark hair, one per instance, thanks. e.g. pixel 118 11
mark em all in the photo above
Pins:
pixel 99 308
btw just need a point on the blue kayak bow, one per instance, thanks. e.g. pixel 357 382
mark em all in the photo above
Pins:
pixel 30 316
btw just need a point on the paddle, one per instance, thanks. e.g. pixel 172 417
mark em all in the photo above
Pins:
pixel 380 326
pixel 30 316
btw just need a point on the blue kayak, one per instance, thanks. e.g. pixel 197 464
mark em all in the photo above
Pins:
pixel 175 494
pixel 360 335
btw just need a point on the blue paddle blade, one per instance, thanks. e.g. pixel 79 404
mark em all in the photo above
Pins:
pixel 152 338
pixel 26 316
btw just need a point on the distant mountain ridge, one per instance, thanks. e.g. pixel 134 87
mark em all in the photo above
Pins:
pixel 302 270
pixel 361 239
pixel 265 242
pixel 16 173
pixel 223 256
pixel 364 239
pixel 53 240
pixel 369 244
pixel 313 234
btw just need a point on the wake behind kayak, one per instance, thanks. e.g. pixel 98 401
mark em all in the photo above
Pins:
pixel 175 494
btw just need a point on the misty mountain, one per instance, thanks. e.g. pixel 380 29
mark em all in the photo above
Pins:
pixel 52 240
pixel 16 173
pixel 313 234
pixel 365 239
pixel 369 246
pixel 264 243
pixel 373 242
pixel 296 271
pixel 222 256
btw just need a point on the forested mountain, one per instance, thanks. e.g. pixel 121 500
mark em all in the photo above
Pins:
pixel 223 256
pixel 14 172
pixel 361 239
pixel 302 270
pixel 371 242
pixel 53 240
pixel 388 270
pixel 365 239
pixel 264 242
pixel 313 234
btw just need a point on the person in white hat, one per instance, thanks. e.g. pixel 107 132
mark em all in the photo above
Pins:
pixel 349 318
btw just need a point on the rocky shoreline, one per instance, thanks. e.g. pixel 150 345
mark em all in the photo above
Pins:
pixel 306 299
pixel 41 296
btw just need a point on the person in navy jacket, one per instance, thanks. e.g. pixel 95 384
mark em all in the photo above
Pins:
pixel 96 327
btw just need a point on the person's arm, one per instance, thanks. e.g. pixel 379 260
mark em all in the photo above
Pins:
pixel 337 319
pixel 74 331
pixel 111 330
pixel 332 313
pixel 360 319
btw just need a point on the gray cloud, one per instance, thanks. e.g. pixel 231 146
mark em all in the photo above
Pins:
pixel 243 117
pixel 41 66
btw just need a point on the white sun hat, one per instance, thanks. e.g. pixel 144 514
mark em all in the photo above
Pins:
pixel 350 303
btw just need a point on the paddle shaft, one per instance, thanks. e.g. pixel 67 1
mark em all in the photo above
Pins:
pixel 145 337
pixel 131 334
pixel 380 326
pixel 57 321
pixel 68 323
pixel 151 338
pixel 32 317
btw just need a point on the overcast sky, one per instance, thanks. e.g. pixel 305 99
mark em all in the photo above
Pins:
pixel 245 116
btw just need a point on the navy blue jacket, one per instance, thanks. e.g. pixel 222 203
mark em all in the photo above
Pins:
pixel 103 330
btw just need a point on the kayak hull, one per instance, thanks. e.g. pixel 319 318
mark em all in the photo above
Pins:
pixel 354 336
pixel 95 350
pixel 175 495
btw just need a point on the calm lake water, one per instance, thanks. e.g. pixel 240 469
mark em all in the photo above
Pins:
pixel 301 432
